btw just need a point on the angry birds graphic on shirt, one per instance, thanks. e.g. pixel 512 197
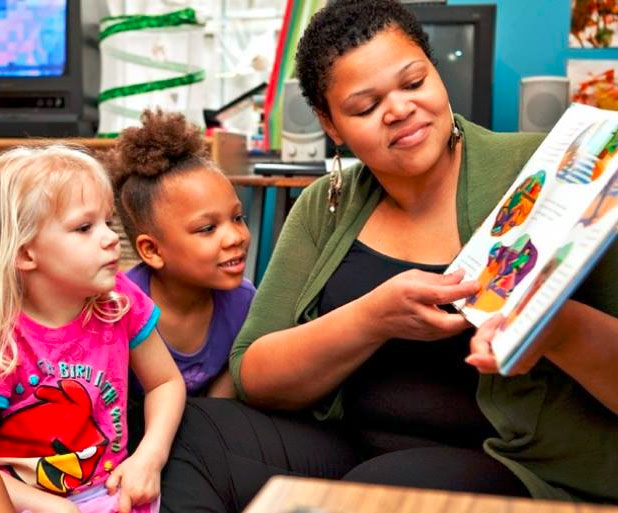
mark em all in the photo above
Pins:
pixel 53 443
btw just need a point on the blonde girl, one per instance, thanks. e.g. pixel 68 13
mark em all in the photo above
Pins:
pixel 70 325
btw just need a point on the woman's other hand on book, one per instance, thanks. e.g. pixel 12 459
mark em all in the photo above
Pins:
pixel 482 356
pixel 581 340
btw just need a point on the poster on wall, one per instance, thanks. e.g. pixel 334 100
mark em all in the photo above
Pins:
pixel 594 82
pixel 594 24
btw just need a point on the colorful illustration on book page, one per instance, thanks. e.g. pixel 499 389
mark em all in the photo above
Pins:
pixel 506 267
pixel 587 157
pixel 605 201
pixel 538 282
pixel 517 207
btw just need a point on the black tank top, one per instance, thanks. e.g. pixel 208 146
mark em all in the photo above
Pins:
pixel 408 393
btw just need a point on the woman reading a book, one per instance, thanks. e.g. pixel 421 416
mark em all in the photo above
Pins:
pixel 348 367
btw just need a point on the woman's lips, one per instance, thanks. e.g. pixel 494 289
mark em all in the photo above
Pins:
pixel 410 136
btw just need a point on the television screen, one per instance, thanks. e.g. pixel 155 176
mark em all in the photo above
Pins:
pixel 33 38
pixel 462 39
pixel 453 51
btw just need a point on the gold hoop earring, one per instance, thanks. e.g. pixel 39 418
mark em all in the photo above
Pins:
pixel 455 132
pixel 336 181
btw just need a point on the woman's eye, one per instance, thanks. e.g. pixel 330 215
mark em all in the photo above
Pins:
pixel 83 228
pixel 415 85
pixel 240 218
pixel 109 223
pixel 367 111
pixel 209 228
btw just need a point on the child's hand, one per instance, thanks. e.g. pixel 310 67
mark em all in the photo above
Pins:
pixel 137 479
pixel 481 355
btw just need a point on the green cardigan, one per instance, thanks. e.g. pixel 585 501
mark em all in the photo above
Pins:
pixel 561 442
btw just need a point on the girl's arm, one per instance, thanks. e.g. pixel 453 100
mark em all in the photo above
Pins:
pixel 165 392
pixel 25 497
pixel 139 475
pixel 5 502
pixel 581 340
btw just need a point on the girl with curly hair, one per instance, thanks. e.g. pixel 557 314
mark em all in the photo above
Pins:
pixel 186 223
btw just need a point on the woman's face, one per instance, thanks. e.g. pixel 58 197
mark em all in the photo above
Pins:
pixel 389 105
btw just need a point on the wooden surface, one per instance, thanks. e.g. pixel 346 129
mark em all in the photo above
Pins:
pixel 229 151
pixel 272 181
pixel 92 144
pixel 225 148
pixel 302 495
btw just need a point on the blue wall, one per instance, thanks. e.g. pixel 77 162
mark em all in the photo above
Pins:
pixel 531 39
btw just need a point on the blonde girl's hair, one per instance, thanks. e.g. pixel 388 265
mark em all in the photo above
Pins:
pixel 35 184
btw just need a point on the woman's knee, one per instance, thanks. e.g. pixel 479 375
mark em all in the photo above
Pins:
pixel 444 468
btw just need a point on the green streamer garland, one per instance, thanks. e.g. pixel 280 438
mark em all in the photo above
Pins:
pixel 140 22
pixel 147 87
pixel 117 24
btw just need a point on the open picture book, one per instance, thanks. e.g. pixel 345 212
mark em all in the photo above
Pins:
pixel 546 233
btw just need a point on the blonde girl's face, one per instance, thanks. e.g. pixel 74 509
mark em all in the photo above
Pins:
pixel 76 253
pixel 202 237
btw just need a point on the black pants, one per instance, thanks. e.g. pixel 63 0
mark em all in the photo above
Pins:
pixel 225 451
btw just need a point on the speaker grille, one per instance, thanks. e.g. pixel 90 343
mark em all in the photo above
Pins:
pixel 542 100
pixel 298 118
pixel 544 109
pixel 300 114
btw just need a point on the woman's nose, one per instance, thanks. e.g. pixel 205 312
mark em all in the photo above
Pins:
pixel 399 106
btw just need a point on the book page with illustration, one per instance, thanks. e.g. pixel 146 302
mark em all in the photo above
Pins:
pixel 547 231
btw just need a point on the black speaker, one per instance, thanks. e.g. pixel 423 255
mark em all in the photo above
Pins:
pixel 302 137
pixel 542 100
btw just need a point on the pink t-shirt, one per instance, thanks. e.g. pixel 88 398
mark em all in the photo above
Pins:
pixel 63 421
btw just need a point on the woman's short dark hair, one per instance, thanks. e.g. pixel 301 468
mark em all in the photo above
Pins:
pixel 341 26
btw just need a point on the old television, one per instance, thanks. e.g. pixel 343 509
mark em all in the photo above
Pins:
pixel 462 41
pixel 40 68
